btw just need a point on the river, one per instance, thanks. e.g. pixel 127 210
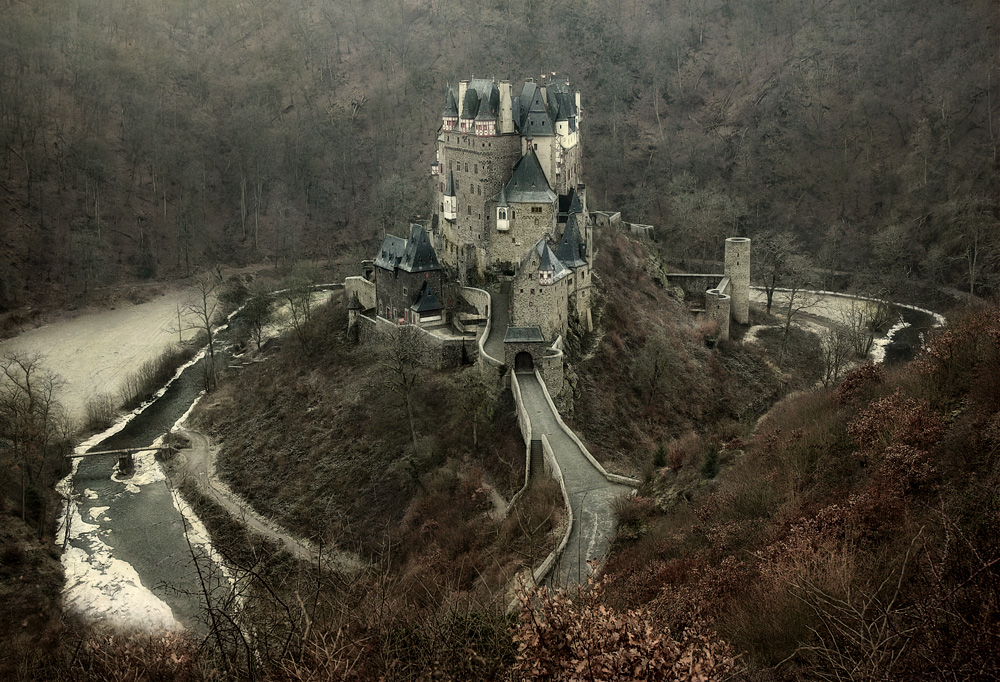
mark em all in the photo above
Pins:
pixel 136 555
pixel 128 558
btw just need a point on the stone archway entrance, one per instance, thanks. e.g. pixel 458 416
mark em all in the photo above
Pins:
pixel 524 363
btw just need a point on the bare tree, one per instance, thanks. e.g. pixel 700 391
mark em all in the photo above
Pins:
pixel 258 315
pixel 480 399
pixel 31 419
pixel 777 259
pixel 862 321
pixel 401 356
pixel 202 312
pixel 797 301
pixel 835 346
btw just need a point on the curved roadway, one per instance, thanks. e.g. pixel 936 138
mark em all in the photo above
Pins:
pixel 590 493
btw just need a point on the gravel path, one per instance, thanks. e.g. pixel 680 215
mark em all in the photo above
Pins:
pixel 590 493
pixel 198 461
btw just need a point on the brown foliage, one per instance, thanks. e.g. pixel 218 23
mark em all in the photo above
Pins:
pixel 573 636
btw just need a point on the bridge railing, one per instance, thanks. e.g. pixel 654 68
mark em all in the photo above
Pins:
pixel 613 478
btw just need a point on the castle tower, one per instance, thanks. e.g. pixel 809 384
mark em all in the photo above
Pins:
pixel 718 306
pixel 737 269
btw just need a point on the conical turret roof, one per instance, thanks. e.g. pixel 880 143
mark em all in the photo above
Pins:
pixel 528 183
pixel 419 255
pixel 571 250
pixel 450 103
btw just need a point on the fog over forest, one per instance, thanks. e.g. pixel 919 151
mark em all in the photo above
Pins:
pixel 145 140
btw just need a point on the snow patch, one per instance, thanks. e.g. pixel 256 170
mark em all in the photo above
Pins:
pixel 97 511
pixel 102 587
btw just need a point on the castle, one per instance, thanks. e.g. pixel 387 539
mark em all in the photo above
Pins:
pixel 511 210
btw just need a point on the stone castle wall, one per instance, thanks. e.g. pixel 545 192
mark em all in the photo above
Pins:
pixel 481 166
pixel 527 226
pixel 365 290
pixel 535 305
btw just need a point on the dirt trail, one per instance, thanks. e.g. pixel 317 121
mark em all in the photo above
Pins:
pixel 198 462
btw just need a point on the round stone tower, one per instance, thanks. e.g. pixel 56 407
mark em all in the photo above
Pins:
pixel 718 309
pixel 737 269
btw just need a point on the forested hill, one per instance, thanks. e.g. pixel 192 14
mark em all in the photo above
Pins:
pixel 145 139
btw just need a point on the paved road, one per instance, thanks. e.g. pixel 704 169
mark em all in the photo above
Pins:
pixel 590 493
pixel 499 320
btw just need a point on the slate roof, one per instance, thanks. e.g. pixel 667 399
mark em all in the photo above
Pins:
pixel 391 252
pixel 535 120
pixel 502 198
pixel 523 335
pixel 354 304
pixel 528 184
pixel 450 103
pixel 481 100
pixel 426 300
pixel 470 104
pixel 449 189
pixel 562 102
pixel 571 247
pixel 550 262
pixel 419 254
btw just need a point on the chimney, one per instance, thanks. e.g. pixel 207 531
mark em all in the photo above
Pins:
pixel 462 87
pixel 506 109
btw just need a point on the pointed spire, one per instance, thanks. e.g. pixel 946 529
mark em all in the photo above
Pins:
pixel 502 201
pixel 354 304
pixel 571 245
pixel 450 103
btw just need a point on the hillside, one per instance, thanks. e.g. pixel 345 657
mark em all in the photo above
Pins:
pixel 652 373
pixel 146 141
pixel 851 532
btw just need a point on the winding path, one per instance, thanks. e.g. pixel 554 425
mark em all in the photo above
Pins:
pixel 590 493
pixel 499 320
pixel 198 462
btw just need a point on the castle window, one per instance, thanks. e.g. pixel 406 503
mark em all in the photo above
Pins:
pixel 536 209
pixel 468 209
pixel 522 291
pixel 479 190
pixel 467 167
pixel 532 292
pixel 475 168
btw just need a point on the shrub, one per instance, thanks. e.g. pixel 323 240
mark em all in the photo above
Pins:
pixel 859 383
pixel 100 413
pixel 565 636
pixel 710 467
